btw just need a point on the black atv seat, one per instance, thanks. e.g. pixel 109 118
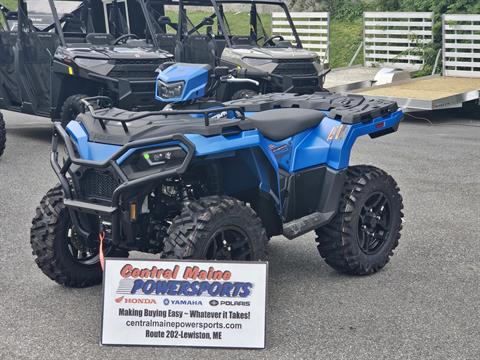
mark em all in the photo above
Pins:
pixel 279 124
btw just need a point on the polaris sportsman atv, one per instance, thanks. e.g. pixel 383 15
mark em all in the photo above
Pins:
pixel 236 33
pixel 95 48
pixel 217 182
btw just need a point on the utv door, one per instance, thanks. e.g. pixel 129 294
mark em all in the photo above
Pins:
pixel 10 97
pixel 35 53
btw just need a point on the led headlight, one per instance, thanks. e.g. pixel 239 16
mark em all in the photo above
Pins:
pixel 256 61
pixel 170 156
pixel 171 90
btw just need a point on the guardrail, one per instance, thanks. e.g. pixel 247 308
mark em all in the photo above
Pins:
pixel 461 45
pixel 313 29
pixel 396 38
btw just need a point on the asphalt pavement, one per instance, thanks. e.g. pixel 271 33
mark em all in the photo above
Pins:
pixel 425 304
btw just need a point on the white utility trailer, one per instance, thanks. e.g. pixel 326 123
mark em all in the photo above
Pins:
pixel 460 82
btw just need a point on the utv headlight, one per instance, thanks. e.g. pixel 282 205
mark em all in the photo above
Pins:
pixel 90 63
pixel 317 60
pixel 170 156
pixel 256 61
pixel 170 90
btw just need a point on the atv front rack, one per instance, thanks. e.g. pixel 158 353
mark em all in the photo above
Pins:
pixel 207 113
pixel 73 203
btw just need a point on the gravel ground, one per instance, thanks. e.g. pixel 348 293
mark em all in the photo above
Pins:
pixel 423 305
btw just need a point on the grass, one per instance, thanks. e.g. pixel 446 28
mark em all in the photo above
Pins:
pixel 10 4
pixel 345 37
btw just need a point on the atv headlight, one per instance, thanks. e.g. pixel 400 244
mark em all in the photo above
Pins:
pixel 90 63
pixel 170 156
pixel 171 90
pixel 256 61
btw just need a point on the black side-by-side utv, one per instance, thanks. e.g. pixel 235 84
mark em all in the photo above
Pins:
pixel 236 34
pixel 54 53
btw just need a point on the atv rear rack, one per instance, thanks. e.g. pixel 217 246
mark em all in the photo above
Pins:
pixel 207 113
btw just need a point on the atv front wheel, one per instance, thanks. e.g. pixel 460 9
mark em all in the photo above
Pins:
pixel 59 253
pixel 216 228
pixel 72 106
pixel 3 135
pixel 362 236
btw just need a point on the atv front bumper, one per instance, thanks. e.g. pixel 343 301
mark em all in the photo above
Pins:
pixel 114 209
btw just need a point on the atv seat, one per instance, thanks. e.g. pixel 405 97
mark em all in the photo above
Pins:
pixel 279 124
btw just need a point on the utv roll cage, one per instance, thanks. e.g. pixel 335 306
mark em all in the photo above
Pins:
pixel 158 26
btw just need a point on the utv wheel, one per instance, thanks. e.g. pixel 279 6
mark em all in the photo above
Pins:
pixel 244 94
pixel 3 135
pixel 361 238
pixel 59 254
pixel 71 108
pixel 216 228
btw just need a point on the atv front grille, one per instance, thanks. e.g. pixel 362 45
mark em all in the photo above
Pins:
pixel 295 68
pixel 96 184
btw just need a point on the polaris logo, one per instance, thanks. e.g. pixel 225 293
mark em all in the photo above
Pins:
pixel 229 303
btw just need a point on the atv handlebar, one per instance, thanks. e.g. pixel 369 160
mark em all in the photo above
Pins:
pixel 237 80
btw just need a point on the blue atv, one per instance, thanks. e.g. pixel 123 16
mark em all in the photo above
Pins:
pixel 204 180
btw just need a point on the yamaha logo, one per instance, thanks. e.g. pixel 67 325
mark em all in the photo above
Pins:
pixel 166 302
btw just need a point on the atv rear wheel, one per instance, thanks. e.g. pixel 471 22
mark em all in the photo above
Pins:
pixel 71 107
pixel 59 254
pixel 216 228
pixel 3 135
pixel 362 236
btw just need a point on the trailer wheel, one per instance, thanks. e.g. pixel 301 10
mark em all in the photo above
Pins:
pixel 58 253
pixel 72 106
pixel 362 236
pixel 3 135
pixel 216 228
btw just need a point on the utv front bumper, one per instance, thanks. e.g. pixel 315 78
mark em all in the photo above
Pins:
pixel 296 84
pixel 131 94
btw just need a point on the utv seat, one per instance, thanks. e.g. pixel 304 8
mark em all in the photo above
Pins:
pixel 279 124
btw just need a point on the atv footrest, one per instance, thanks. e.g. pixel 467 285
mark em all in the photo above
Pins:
pixel 89 207
pixel 305 224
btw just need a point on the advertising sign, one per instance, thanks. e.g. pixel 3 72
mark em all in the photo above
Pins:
pixel 184 303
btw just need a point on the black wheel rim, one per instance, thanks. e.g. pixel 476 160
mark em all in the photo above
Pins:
pixel 229 243
pixel 80 253
pixel 374 223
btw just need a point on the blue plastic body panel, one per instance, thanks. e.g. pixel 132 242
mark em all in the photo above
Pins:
pixel 89 150
pixel 329 143
pixel 194 76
